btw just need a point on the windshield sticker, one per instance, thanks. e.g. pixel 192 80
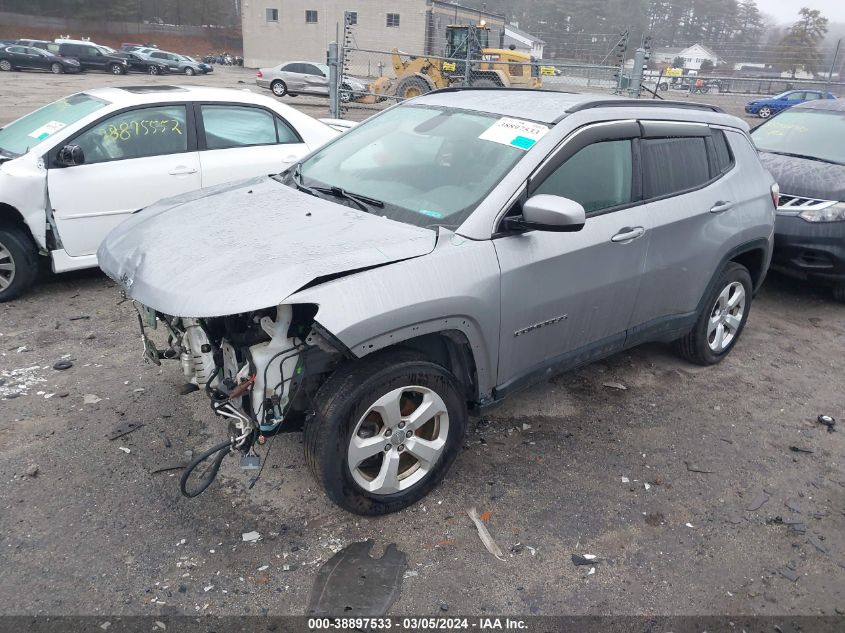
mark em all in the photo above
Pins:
pixel 431 214
pixel 515 132
pixel 46 130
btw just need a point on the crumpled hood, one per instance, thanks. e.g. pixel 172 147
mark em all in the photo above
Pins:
pixel 807 178
pixel 247 246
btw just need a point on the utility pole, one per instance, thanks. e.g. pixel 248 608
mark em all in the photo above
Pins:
pixel 833 64
pixel 334 95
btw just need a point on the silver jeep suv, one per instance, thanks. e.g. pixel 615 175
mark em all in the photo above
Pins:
pixel 436 259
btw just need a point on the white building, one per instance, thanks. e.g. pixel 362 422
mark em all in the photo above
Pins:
pixel 693 56
pixel 523 42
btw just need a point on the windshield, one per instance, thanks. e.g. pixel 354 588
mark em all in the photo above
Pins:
pixel 428 165
pixel 17 137
pixel 815 134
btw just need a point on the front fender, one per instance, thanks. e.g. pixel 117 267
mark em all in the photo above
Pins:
pixel 23 187
pixel 454 288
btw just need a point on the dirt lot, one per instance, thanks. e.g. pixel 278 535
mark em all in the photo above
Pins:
pixel 572 466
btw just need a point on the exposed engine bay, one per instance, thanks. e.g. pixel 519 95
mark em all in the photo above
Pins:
pixel 259 369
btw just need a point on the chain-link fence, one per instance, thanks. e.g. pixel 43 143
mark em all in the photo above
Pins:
pixel 373 78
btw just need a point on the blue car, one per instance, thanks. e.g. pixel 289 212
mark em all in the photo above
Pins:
pixel 764 108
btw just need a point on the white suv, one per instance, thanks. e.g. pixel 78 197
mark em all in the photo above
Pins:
pixel 73 170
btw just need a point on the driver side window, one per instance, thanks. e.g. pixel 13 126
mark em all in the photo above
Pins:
pixel 136 134
pixel 598 177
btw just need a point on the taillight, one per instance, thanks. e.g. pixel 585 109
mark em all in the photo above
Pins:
pixel 260 74
pixel 776 195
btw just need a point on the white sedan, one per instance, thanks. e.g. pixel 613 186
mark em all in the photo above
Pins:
pixel 73 170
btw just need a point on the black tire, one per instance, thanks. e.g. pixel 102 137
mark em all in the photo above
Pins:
pixel 705 89
pixel 279 88
pixel 17 249
pixel 664 87
pixel 695 345
pixel 485 82
pixel 56 68
pixel 6 65
pixel 411 87
pixel 190 72
pixel 345 398
pixel 839 293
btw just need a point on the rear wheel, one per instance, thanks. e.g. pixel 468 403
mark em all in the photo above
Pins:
pixel 18 262
pixel 411 87
pixel 386 431
pixel 56 68
pixel 721 320
pixel 5 65
pixel 279 88
pixel 765 112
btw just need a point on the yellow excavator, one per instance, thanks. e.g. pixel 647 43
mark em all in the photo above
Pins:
pixel 465 44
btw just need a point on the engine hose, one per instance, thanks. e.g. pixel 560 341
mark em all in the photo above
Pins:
pixel 223 449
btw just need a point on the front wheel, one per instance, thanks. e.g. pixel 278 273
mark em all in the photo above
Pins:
pixel 721 319
pixel 18 262
pixel 190 72
pixel 153 70
pixel 765 112
pixel 345 94
pixel 56 68
pixel 117 69
pixel 385 433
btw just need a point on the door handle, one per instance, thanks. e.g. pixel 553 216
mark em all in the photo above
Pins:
pixel 182 171
pixel 628 234
pixel 722 206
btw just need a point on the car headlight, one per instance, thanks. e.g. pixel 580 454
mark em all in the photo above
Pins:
pixel 833 213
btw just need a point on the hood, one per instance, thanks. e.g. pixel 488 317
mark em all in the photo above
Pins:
pixel 807 178
pixel 247 246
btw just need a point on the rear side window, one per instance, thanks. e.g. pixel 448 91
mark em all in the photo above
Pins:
pixel 673 165
pixel 598 176
pixel 237 126
pixel 724 158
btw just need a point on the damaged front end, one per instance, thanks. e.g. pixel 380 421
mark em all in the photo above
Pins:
pixel 259 369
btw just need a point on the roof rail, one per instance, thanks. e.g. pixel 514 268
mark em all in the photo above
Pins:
pixel 636 103
pixel 483 88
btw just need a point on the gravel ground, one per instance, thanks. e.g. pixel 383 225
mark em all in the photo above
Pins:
pixel 571 466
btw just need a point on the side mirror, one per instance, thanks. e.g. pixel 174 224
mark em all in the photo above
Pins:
pixel 544 212
pixel 70 156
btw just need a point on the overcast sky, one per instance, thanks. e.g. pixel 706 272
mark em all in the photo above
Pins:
pixel 787 10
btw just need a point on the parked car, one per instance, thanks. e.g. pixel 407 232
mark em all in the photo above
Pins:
pixel 764 108
pixel 92 57
pixel 437 258
pixel 143 64
pixel 804 149
pixel 42 44
pixel 29 58
pixel 204 67
pixel 73 170
pixel 295 78
pixel 177 63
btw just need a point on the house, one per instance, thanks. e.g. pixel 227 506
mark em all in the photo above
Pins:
pixel 693 56
pixel 280 30
pixel 524 42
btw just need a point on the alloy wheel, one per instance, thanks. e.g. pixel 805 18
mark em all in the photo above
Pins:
pixel 56 68
pixel 765 112
pixel 726 317
pixel 7 268
pixel 399 440
pixel 5 64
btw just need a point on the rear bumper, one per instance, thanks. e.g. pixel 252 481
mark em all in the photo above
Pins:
pixel 263 82
pixel 811 251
